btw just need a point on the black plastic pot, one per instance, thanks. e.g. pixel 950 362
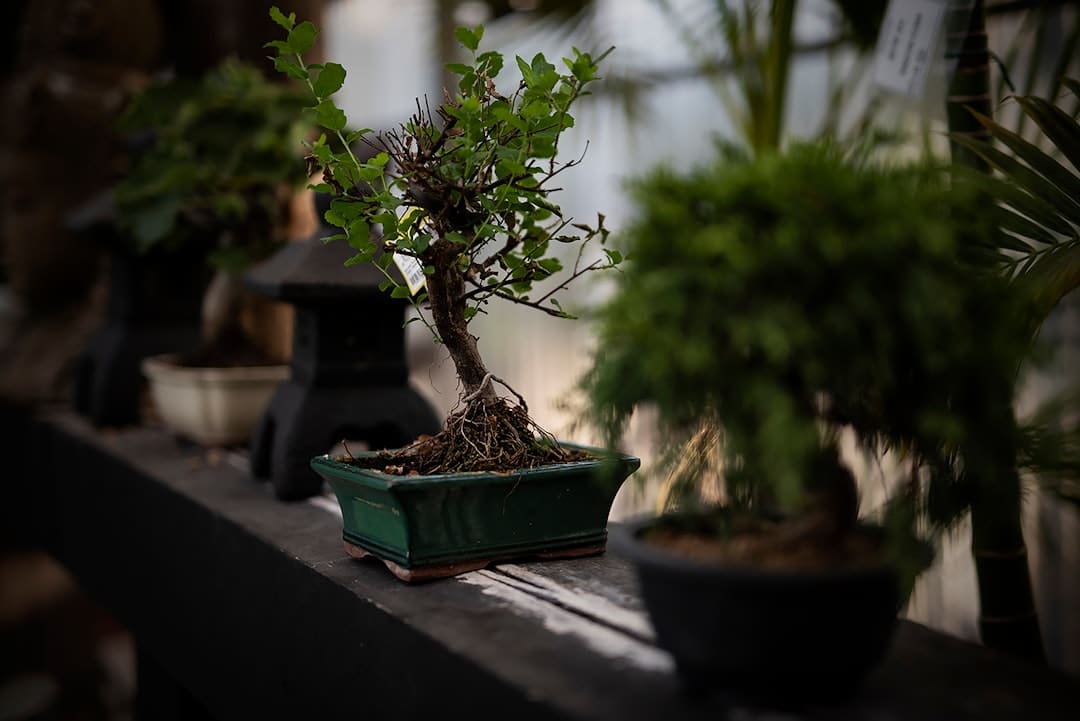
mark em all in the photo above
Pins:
pixel 776 636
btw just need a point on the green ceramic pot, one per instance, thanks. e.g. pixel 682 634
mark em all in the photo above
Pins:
pixel 432 526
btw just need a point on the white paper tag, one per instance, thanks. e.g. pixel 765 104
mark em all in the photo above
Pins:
pixel 412 271
pixel 905 47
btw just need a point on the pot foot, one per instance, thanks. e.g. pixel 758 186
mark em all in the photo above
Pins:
pixel 446 570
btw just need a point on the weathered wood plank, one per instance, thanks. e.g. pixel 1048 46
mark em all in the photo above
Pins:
pixel 254 605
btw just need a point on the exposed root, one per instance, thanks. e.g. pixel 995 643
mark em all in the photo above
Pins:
pixel 482 434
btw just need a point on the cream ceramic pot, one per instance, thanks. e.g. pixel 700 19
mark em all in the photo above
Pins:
pixel 211 406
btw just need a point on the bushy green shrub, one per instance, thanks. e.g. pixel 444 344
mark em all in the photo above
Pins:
pixel 787 296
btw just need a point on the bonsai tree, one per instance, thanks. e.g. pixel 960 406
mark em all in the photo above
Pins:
pixel 215 170
pixel 810 293
pixel 459 198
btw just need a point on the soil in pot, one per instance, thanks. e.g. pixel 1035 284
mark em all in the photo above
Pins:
pixel 783 544
pixel 231 349
pixel 509 441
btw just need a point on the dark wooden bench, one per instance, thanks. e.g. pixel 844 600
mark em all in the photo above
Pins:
pixel 249 608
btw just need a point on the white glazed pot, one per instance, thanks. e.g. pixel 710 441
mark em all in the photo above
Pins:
pixel 212 406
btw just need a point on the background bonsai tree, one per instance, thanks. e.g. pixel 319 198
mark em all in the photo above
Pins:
pixel 216 170
pixel 461 196
pixel 808 293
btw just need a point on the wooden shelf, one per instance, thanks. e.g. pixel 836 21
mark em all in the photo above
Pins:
pixel 254 607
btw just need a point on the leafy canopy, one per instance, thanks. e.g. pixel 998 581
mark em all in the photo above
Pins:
pixel 474 175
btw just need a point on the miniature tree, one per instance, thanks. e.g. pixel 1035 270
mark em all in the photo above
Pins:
pixel 461 194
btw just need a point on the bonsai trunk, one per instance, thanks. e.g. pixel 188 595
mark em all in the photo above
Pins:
pixel 446 295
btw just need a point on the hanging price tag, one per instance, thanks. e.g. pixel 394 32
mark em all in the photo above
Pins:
pixel 906 45
pixel 412 271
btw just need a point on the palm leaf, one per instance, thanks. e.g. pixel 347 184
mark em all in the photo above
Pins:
pixel 1060 185
pixel 1062 130
pixel 1037 214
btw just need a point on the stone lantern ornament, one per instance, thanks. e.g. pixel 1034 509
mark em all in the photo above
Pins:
pixel 348 375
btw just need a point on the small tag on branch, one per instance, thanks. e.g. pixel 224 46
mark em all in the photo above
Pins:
pixel 412 271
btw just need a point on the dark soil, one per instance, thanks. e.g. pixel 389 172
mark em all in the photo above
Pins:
pixel 230 350
pixel 487 435
pixel 796 544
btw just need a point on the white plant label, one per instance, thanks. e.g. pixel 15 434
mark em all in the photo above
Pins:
pixel 908 39
pixel 412 271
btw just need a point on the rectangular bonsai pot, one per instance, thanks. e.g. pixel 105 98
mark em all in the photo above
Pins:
pixel 440 525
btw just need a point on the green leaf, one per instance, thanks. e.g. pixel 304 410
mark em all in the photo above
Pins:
pixel 277 16
pixel 1011 193
pixel 1030 180
pixel 549 266
pixel 329 115
pixel 284 64
pixel 333 217
pixel 359 235
pixel 330 80
pixel 491 62
pixel 1063 131
pixel 469 38
pixel 1055 174
pixel 1011 221
pixel 458 68
pixel 280 45
pixel 526 71
pixel 356 135
pixel 368 173
pixel 302 37
pixel 400 291
pixel 510 167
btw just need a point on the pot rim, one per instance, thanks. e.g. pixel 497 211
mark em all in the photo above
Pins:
pixel 164 368
pixel 377 479
pixel 626 542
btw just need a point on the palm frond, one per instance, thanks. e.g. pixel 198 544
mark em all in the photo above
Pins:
pixel 1038 200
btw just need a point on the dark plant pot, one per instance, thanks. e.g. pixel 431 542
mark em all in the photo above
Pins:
pixel 774 636
pixel 433 526
pixel 154 306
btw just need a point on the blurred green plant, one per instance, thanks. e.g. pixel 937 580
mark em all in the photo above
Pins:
pixel 811 292
pixel 217 166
